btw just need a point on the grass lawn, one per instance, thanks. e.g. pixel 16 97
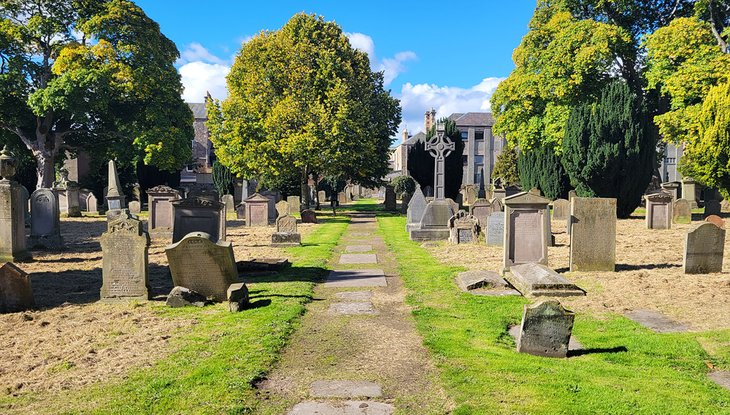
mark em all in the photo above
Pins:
pixel 217 360
pixel 624 369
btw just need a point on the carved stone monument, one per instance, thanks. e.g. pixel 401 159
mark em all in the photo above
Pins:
pixel 12 216
pixel 545 330
pixel 115 199
pixel 593 234
pixel 125 265
pixel 689 191
pixel 704 248
pixel 294 203
pixel 526 229
pixel 45 223
pixel 481 209
pixel 390 203
pixel 681 211
pixel 534 280
pixel 494 231
pixel 416 207
pixel 286 232
pixel 198 214
pixel 16 293
pixel 463 228
pixel 257 210
pixel 160 221
pixel 658 210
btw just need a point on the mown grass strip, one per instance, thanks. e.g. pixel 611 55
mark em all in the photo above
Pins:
pixel 626 369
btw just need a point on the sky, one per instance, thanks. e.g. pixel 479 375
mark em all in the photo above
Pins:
pixel 449 56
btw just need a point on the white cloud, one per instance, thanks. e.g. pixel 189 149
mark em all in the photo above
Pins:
pixel 198 78
pixel 195 52
pixel 446 100
pixel 391 67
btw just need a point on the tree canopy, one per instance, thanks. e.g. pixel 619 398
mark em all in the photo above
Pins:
pixel 92 75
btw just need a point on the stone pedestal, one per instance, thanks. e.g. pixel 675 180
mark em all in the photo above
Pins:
pixel 434 225
pixel 160 221
pixel 672 188
pixel 689 191
pixel 659 211
pixel 257 210
pixel 526 229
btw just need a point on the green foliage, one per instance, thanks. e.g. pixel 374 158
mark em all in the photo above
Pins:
pixel 302 99
pixel 609 148
pixel 97 76
pixel 403 185
pixel 541 168
pixel 421 164
pixel 506 167
pixel 222 178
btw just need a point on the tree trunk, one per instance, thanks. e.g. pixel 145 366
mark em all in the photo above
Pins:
pixel 44 170
pixel 304 190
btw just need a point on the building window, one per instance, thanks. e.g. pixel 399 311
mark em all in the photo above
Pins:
pixel 479 160
pixel 465 160
pixel 465 135
pixel 479 135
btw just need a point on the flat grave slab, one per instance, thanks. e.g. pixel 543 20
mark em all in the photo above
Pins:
pixel 342 408
pixel 358 259
pixel 358 248
pixel 573 344
pixel 656 321
pixel 360 234
pixel 537 280
pixel 352 308
pixel 355 295
pixel 345 389
pixel 721 377
pixel 356 278
pixel 486 283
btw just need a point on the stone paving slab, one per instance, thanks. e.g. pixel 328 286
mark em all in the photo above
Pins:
pixel 345 389
pixel 573 344
pixel 360 234
pixel 358 248
pixel 358 259
pixel 720 377
pixel 656 321
pixel 352 308
pixel 355 295
pixel 356 278
pixel 342 408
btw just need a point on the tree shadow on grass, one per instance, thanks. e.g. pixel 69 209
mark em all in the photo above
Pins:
pixel 637 267
pixel 594 350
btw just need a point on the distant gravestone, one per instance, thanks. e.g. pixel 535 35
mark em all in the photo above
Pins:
pixel 25 197
pixel 294 203
pixel 561 209
pixel 494 232
pixel 229 203
pixel 572 194
pixel 712 207
pixel 716 220
pixel 309 216
pixel 198 214
pixel 286 232
pixel 341 198
pixel 463 228
pixel 593 234
pixel 416 207
pixel 125 262
pixel 428 191
pixel 545 329
pixel 689 190
pixel 257 210
pixel 159 205
pixel 282 208
pixel 682 211
pixel 241 212
pixel 16 293
pixel 202 265
pixel 499 193
pixel 45 223
pixel 273 197
pixel 526 229
pixel 497 205
pixel 92 204
pixel 535 191
pixel 539 280
pixel 135 207
pixel 322 197
pixel 470 194
pixel 704 249
pixel 204 193
pixel 481 209
pixel 658 211
pixel 671 188
pixel 725 206
pixel 390 201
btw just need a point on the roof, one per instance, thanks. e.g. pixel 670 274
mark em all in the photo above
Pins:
pixel 472 119
pixel 421 136
pixel 198 109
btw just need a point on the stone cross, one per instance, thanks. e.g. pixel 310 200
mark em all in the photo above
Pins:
pixel 440 147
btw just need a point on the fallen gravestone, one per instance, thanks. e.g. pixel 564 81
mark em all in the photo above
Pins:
pixel 357 296
pixel 16 293
pixel 262 264
pixel 539 280
pixel 237 295
pixel 656 321
pixel 592 234
pixel 342 408
pixel 682 211
pixel 494 233
pixel 545 329
pixel 484 283
pixel 352 308
pixel 356 278
pixel 345 389
pixel 463 228
pixel 358 259
pixel 124 264
pixel 183 297
pixel 704 249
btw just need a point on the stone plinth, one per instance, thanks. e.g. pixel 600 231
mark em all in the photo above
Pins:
pixel 658 211
pixel 45 223
pixel 704 249
pixel 12 223
pixel 545 330
pixel 160 221
pixel 125 262
pixel 593 234
pixel 526 229
pixel 257 210
pixel 198 214
pixel 434 223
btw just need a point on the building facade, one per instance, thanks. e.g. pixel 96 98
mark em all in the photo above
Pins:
pixel 200 170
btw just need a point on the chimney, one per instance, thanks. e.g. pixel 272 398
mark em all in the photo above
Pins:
pixel 429 119
pixel 405 135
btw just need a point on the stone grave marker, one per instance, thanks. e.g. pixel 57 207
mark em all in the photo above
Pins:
pixel 229 204
pixel 526 229
pixel 561 209
pixel 45 224
pixel 273 197
pixel 322 197
pixel 672 188
pixel 25 196
pixel 535 191
pixel 658 211
pixel 159 205
pixel 257 210
pixel 712 207
pixel 470 194
pixel 202 265
pixel 572 194
pixel 593 234
pixel 309 216
pixel 703 249
pixel 12 216
pixel 689 190
pixel 294 203
pixel 125 262
pixel 463 228
pixel 16 293
pixel 92 204
pixel 481 209
pixel 545 329
pixel 416 207
pixel 682 211
pixel 494 232
pixel 286 232
pixel 115 199
pixel 282 208
pixel 718 221
pixel 203 192
pixel 135 207
pixel 390 200
pixel 538 280
pixel 725 206
pixel 341 198
pixel 497 205
pixel 198 214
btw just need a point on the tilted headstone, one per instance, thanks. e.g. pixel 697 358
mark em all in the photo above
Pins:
pixel 16 293
pixel 593 234
pixel 463 228
pixel 390 201
pixel 135 207
pixel 294 203
pixel 526 229
pixel 534 280
pixel 658 210
pixel 198 215
pixel 45 223
pixel 12 216
pixel 703 249
pixel 481 209
pixel 682 211
pixel 257 210
pixel 712 207
pixel 561 209
pixel 282 208
pixel 125 262
pixel 718 221
pixel 202 265
pixel 309 216
pixel 494 231
pixel 416 207
pixel 159 204
pixel 545 329
pixel 229 204
pixel 286 232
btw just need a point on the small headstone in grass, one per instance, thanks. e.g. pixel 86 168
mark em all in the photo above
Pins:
pixel 659 210
pixel 237 295
pixel 712 207
pixel 716 220
pixel 682 211
pixel 704 249
pixel 16 293
pixel 286 232
pixel 309 216
pixel 545 329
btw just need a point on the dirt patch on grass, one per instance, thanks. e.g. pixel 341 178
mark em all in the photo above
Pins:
pixel 649 275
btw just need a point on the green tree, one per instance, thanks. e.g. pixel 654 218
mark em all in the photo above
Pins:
pixel 403 185
pixel 505 168
pixel 92 75
pixel 421 163
pixel 540 167
pixel 303 99
pixel 609 147
pixel 222 178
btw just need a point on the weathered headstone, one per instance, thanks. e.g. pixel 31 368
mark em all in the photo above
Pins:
pixel 672 188
pixel 499 193
pixel 257 210
pixel 286 232
pixel 237 297
pixel 712 207
pixel 689 191
pixel 272 197
pixel 390 203
pixel 535 191
pixel 200 264
pixel 658 211
pixel 681 211
pixel 572 194
pixel 45 224
pixel 309 216
pixel 282 208
pixel 159 205
pixel 526 229
pixel 718 221
pixel 463 228
pixel 322 197
pixel 92 204
pixel 561 209
pixel 704 249
pixel 497 205
pixel 470 194
pixel 545 329
pixel 342 198
pixel 416 207
pixel 16 293
pixel 135 207
pixel 538 280
pixel 593 234
pixel 125 262
pixel 494 231
pixel 198 215
pixel 12 217
pixel 481 209
pixel 229 203
pixel 294 203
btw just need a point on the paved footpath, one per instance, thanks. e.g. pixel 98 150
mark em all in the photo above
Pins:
pixel 357 350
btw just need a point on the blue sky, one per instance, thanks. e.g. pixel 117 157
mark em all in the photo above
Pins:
pixel 446 55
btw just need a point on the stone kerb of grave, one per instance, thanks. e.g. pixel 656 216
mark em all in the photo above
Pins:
pixel 545 329
pixel 198 214
pixel 682 211
pixel 704 249
pixel 593 234
pixel 16 293
pixel 202 265
pixel 526 229
pixel 463 228
pixel 659 211
pixel 125 260
pixel 534 280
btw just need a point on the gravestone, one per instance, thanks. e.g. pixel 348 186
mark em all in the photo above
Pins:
pixel 198 214
pixel 205 193
pixel 159 205
pixel 712 207
pixel 135 207
pixel 671 188
pixel 470 194
pixel 321 197
pixel 561 209
pixel 526 229
pixel 534 280
pixel 390 201
pixel 286 232
pixel 45 223
pixel 499 193
pixel 463 228
pixel 428 191
pixel 716 220
pixel 12 216
pixel 115 199
pixel 658 211
pixel 689 191
pixel 497 205
pixel 68 196
pixel 25 196
pixel 494 231
pixel 241 212
pixel 342 198
pixel 545 329
pixel 593 234
pixel 703 249
pixel 202 265
pixel 572 194
pixel 282 208
pixel 273 197
pixel 309 216
pixel 294 203
pixel 16 293
pixel 725 206
pixel 481 209
pixel 229 203
pixel 257 210
pixel 416 207
pixel 681 211
pixel 92 204
pixel 125 263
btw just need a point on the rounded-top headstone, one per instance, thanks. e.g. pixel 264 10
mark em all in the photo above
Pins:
pixel 716 220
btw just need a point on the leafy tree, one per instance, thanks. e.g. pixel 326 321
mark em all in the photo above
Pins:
pixel 222 178
pixel 303 99
pixel 505 168
pixel 93 75
pixel 609 147
pixel 421 164
pixel 540 167
pixel 403 185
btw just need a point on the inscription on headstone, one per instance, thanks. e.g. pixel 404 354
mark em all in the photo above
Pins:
pixel 704 249
pixel 593 234
pixel 125 262
pixel 45 225
pixel 257 210
pixel 495 229
pixel 159 204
